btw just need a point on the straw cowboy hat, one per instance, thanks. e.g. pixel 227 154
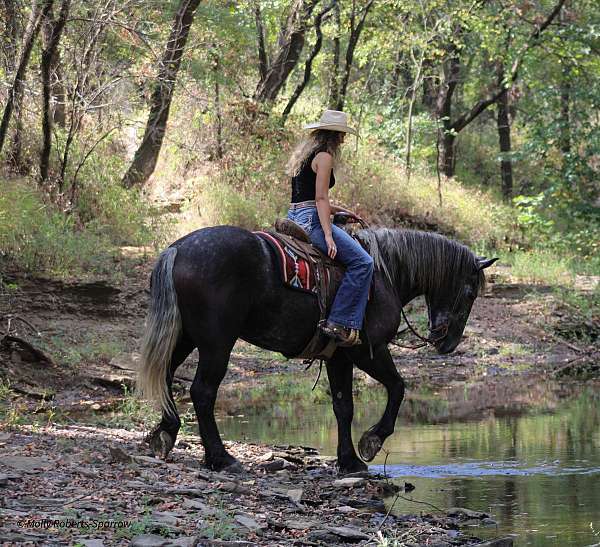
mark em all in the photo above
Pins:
pixel 333 120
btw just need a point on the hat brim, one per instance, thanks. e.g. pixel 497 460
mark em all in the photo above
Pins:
pixel 331 127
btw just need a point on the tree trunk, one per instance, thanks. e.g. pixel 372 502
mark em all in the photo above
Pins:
pixel 57 90
pixel 334 82
pixel 11 36
pixel 263 60
pixel 308 66
pixel 146 155
pixel 218 113
pixel 291 43
pixel 51 37
pixel 565 114
pixel 395 81
pixel 444 110
pixel 15 93
pixel 503 123
pixel 355 31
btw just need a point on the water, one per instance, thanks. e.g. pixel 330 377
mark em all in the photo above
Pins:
pixel 523 449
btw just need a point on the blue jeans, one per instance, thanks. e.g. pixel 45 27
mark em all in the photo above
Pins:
pixel 348 308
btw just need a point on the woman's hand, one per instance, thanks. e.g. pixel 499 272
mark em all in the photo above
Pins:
pixel 331 247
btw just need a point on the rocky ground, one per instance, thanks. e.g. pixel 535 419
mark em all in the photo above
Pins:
pixel 95 486
pixel 69 348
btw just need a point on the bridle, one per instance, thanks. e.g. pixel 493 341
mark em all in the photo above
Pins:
pixel 431 340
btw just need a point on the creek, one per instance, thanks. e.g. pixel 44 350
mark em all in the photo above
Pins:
pixel 522 448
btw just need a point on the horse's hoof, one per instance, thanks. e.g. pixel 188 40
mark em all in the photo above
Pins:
pixel 369 445
pixel 227 465
pixel 161 444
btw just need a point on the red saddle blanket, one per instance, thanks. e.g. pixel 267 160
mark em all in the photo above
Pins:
pixel 298 272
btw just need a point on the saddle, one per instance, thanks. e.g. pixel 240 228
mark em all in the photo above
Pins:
pixel 305 268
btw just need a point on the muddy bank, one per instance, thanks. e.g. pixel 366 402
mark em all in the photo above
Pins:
pixel 92 486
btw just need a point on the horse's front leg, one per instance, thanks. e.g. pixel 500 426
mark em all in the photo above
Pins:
pixel 339 372
pixel 383 369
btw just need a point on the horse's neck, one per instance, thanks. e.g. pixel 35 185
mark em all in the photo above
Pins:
pixel 404 289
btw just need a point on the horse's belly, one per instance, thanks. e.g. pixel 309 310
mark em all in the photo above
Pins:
pixel 282 320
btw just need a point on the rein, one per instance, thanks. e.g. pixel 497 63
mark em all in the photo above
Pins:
pixel 428 340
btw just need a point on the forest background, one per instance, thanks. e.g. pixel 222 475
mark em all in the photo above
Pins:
pixel 128 123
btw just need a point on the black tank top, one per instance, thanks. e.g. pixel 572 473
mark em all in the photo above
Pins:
pixel 304 183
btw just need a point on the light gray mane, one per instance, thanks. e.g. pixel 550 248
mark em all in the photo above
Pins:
pixel 432 261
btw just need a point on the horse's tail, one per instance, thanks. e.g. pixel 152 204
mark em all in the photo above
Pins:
pixel 163 328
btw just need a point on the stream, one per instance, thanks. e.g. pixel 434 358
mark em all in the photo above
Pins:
pixel 522 448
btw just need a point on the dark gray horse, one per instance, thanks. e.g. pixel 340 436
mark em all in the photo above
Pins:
pixel 219 284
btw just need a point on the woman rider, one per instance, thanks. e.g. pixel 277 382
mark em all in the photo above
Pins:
pixel 311 168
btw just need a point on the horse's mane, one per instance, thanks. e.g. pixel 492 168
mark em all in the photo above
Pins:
pixel 431 260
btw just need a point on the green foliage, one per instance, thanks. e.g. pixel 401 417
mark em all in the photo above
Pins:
pixel 36 236
pixel 539 266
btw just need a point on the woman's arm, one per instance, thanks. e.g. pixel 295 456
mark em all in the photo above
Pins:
pixel 322 164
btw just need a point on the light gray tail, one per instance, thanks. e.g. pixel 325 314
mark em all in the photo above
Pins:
pixel 163 328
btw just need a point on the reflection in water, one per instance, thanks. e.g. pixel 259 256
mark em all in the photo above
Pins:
pixel 525 450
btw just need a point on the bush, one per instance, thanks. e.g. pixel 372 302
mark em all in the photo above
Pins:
pixel 37 237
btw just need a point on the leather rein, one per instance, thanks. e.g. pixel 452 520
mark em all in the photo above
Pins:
pixel 444 328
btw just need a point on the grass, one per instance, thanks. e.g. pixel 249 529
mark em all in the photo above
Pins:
pixel 539 267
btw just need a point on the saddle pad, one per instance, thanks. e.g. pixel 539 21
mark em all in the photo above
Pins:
pixel 296 272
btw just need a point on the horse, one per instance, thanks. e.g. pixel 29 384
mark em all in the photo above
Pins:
pixel 220 284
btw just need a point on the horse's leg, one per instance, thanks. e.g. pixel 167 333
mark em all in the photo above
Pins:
pixel 212 366
pixel 339 372
pixel 382 369
pixel 162 438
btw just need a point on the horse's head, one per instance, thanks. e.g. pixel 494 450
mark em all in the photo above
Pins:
pixel 449 310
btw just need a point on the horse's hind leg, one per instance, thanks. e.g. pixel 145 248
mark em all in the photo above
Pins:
pixel 212 366
pixel 339 372
pixel 382 369
pixel 162 438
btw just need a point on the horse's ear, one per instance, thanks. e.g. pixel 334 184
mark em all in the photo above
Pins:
pixel 485 262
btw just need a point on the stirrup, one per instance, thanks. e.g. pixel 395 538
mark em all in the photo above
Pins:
pixel 345 337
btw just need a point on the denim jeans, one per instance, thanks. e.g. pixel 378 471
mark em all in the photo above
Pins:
pixel 348 308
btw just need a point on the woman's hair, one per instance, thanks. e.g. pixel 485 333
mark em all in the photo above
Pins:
pixel 323 139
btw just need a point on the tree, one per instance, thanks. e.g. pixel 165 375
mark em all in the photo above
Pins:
pixel 357 23
pixel 146 155
pixel 15 94
pixel 452 126
pixel 52 34
pixel 309 61
pixel 291 42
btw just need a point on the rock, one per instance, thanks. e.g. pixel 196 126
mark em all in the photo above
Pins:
pixel 234 488
pixel 3 479
pixel 118 455
pixel 147 459
pixel 248 522
pixel 295 495
pixel 200 506
pixel 90 542
pixel 149 540
pixel 345 509
pixel 184 541
pixel 349 482
pixel 195 492
pixel 28 464
pixel 272 466
pixel 489 522
pixel 299 524
pixel 266 457
pixel 499 542
pixel 462 513
pixel 348 532
pixel 164 518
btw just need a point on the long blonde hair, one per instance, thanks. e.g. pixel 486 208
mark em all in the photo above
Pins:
pixel 317 139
